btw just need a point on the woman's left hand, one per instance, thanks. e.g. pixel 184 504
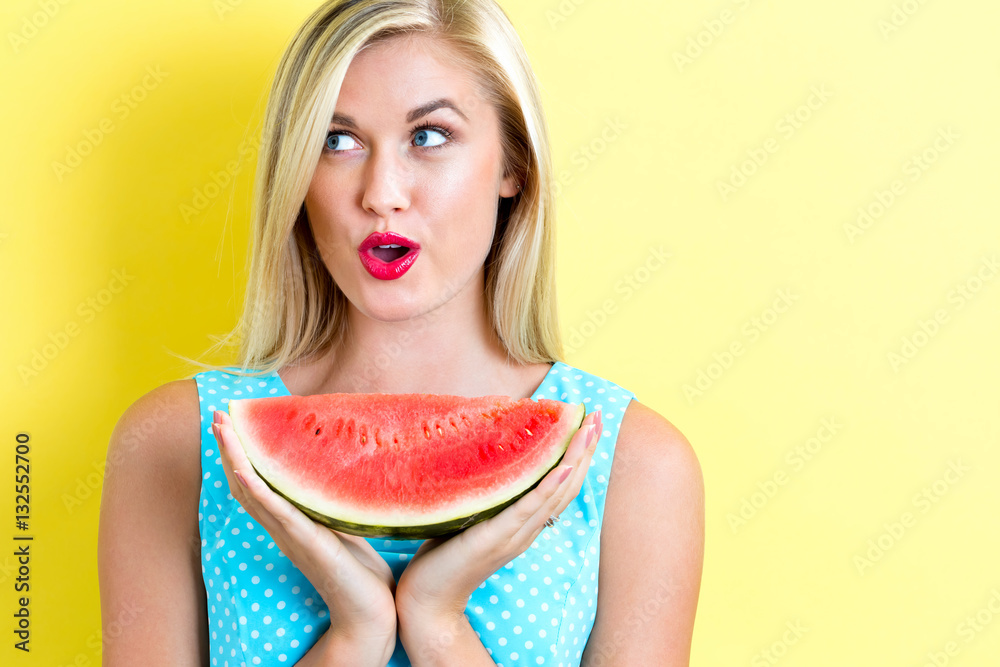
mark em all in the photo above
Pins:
pixel 437 583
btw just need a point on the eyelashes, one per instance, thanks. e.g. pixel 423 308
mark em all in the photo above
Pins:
pixel 422 129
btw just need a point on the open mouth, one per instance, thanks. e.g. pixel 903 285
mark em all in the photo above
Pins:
pixel 389 253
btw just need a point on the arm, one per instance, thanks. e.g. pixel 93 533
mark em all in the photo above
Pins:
pixel 654 516
pixel 149 549
pixel 436 585
pixel 149 546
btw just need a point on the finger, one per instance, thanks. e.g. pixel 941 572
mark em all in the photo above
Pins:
pixel 270 509
pixel 229 456
pixel 234 458
pixel 548 493
pixel 581 468
pixel 578 455
pixel 527 516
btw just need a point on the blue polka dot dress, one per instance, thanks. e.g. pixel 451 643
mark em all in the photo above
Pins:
pixel 538 609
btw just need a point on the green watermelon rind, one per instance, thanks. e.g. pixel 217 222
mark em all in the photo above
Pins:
pixel 440 528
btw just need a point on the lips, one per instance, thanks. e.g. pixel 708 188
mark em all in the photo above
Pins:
pixel 387 255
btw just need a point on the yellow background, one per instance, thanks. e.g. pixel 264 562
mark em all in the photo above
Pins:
pixel 651 105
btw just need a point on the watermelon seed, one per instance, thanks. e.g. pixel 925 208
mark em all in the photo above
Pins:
pixel 528 430
pixel 317 431
pixel 427 432
pixel 363 440
pixel 440 432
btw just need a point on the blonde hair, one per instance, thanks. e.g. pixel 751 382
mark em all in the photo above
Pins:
pixel 293 309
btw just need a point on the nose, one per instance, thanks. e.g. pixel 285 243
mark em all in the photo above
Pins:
pixel 386 187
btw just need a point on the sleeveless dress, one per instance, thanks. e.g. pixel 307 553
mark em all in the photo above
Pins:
pixel 538 609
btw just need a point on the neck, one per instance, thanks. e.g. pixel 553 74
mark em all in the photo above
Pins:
pixel 451 349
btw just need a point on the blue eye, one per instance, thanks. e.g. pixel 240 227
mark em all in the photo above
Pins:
pixel 422 137
pixel 335 141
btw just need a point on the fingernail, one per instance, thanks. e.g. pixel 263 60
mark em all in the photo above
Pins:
pixel 565 473
pixel 240 477
pixel 592 438
pixel 215 430
pixel 217 416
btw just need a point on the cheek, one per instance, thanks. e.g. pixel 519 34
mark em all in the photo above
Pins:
pixel 321 210
pixel 466 195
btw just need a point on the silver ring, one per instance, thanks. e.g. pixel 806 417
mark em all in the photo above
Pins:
pixel 551 521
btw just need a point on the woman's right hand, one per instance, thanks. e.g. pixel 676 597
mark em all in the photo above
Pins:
pixel 354 581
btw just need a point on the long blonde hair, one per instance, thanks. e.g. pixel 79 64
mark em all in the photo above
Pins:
pixel 292 308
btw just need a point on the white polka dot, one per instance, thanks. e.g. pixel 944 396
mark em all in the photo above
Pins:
pixel 550 563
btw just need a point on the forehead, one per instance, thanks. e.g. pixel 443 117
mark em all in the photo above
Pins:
pixel 405 69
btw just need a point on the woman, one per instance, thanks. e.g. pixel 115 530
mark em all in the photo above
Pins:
pixel 437 146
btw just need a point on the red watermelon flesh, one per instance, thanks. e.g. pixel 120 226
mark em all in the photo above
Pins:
pixel 403 465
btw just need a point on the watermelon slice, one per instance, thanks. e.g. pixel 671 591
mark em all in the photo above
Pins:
pixel 405 466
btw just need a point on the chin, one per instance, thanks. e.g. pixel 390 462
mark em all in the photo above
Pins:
pixel 395 307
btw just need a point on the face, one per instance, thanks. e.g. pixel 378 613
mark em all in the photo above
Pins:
pixel 413 149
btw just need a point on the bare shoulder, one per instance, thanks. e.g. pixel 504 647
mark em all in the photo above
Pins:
pixel 656 485
pixel 149 567
pixel 162 426
pixel 652 546
pixel 648 444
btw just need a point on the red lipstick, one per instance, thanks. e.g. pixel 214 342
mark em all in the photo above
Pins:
pixel 388 255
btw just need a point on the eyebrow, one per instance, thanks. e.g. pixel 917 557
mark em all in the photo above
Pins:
pixel 414 114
